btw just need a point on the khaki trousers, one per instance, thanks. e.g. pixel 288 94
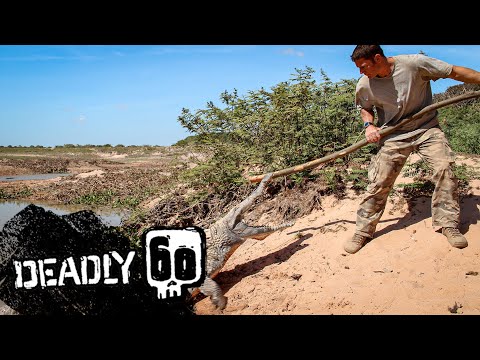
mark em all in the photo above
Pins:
pixel 386 165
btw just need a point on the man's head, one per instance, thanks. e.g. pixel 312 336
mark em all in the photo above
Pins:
pixel 370 60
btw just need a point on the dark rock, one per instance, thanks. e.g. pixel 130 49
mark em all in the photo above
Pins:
pixel 35 233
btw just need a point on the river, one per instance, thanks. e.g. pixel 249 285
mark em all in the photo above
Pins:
pixel 8 209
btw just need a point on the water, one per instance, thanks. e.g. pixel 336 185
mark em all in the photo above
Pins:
pixel 109 217
pixel 32 177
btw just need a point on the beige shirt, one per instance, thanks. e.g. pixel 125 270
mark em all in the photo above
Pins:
pixel 402 94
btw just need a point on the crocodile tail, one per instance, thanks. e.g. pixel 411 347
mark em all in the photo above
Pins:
pixel 237 212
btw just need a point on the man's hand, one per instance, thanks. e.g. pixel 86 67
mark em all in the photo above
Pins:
pixel 372 134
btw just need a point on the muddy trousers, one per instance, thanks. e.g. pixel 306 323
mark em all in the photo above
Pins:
pixel 385 166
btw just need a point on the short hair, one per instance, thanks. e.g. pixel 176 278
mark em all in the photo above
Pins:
pixel 366 52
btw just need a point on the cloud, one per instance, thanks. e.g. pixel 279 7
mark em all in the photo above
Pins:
pixel 292 52
pixel 48 58
pixel 80 120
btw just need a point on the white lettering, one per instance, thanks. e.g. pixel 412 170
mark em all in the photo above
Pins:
pixel 49 272
pixel 126 264
pixel 106 271
pixel 32 273
pixel 97 273
pixel 71 273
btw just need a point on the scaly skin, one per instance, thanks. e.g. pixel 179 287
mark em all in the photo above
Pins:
pixel 225 236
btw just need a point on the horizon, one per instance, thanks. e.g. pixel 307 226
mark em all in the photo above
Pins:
pixel 132 95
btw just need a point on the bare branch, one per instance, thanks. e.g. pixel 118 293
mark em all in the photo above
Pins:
pixel 358 145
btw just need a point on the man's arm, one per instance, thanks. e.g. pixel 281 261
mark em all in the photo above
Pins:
pixel 367 115
pixel 464 74
pixel 371 132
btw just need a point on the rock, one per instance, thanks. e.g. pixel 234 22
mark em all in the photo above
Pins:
pixel 37 234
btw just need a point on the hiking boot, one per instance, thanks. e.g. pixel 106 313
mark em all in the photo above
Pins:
pixel 454 237
pixel 355 243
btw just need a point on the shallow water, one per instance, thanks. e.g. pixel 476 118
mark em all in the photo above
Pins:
pixel 9 209
pixel 32 177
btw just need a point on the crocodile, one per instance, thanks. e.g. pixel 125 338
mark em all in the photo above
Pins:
pixel 224 236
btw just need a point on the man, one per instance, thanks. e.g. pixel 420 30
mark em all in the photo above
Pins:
pixel 395 88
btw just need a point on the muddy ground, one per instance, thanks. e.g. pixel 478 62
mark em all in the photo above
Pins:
pixel 406 269
pixel 137 173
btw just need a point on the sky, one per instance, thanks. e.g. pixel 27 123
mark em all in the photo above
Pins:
pixel 133 94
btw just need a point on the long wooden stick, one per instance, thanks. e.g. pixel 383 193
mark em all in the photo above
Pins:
pixel 358 145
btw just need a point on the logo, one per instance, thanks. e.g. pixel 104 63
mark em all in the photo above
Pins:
pixel 174 259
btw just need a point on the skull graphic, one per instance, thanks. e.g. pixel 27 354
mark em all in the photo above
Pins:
pixel 174 258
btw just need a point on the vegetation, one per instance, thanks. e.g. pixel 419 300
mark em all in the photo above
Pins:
pixel 73 150
pixel 461 121
pixel 15 194
pixel 296 121
pixel 293 122
pixel 423 186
